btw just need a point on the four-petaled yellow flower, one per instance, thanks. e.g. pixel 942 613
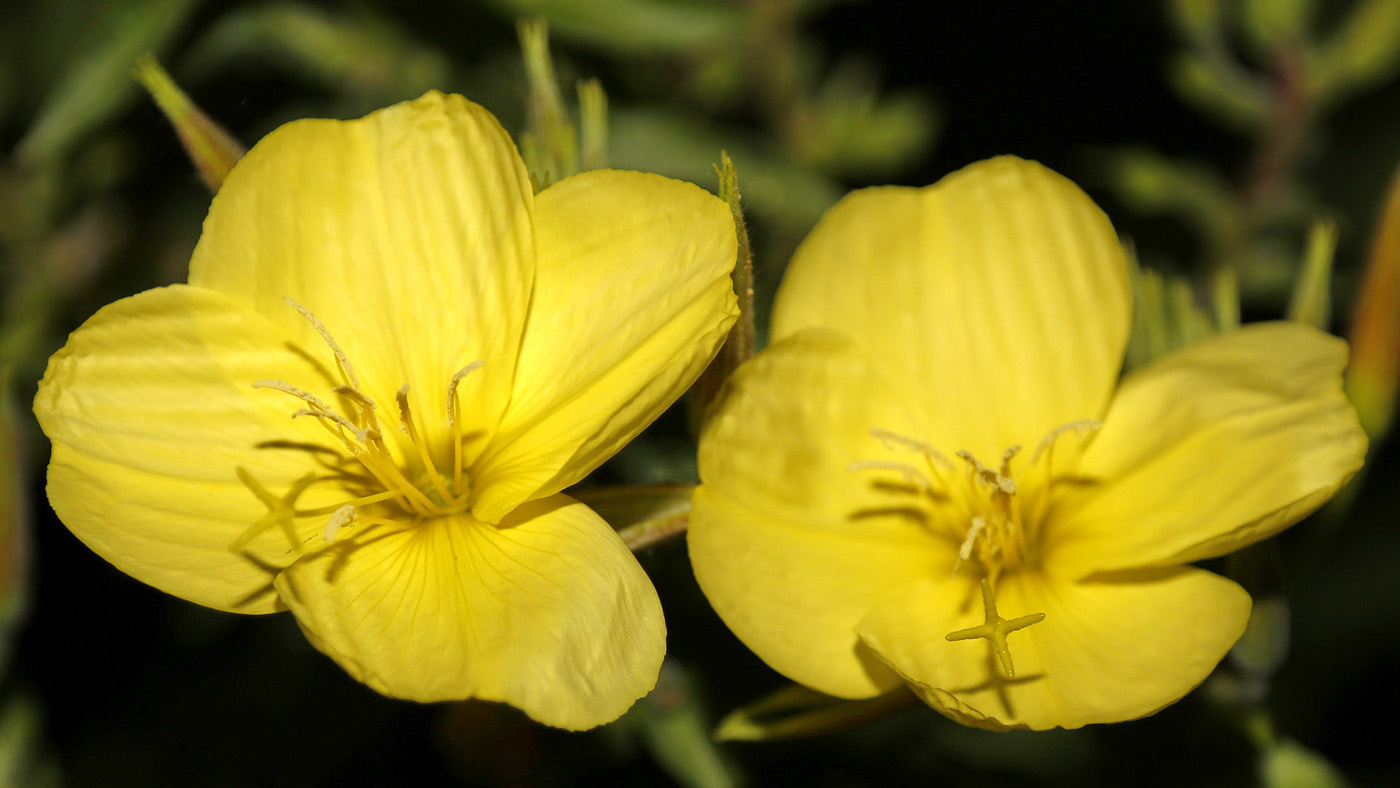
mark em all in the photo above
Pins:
pixel 389 360
pixel 938 438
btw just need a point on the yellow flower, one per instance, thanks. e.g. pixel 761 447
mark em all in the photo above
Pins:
pixel 455 351
pixel 941 407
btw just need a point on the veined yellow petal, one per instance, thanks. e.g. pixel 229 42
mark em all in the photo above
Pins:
pixel 1217 446
pixel 791 547
pixel 632 299
pixel 151 411
pixel 406 233
pixel 999 294
pixel 548 612
pixel 1105 652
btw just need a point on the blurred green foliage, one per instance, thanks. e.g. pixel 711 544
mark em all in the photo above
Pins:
pixel 97 202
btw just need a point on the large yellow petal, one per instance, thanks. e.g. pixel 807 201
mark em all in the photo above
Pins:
pixel 792 548
pixel 548 612
pixel 632 299
pixel 1105 652
pixel 1217 446
pixel 151 410
pixel 1000 295
pixel 407 233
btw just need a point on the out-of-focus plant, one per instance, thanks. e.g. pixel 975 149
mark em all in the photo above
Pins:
pixel 820 123
pixel 1375 329
pixel 1265 70
pixel 14 566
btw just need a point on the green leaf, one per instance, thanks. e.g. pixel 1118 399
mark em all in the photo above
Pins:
pixel 1312 291
pixel 741 343
pixel 638 26
pixel 673 724
pixel 686 148
pixel 795 710
pixel 1166 316
pixel 854 131
pixel 362 55
pixel 1153 184
pixel 21 761
pixel 212 150
pixel 14 553
pixel 643 515
pixel 98 83
pixel 1364 50
pixel 1289 764
pixel 1220 88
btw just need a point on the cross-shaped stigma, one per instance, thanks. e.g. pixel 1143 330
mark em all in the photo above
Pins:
pixel 996 628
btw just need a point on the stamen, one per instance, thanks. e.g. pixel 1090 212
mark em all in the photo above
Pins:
pixel 995 629
pixel 364 436
pixel 452 389
pixel 367 406
pixel 357 502
pixel 452 423
pixel 346 369
pixel 988 476
pixel 912 475
pixel 1078 426
pixel 287 388
pixel 965 552
pixel 341 518
pixel 411 430
pixel 893 440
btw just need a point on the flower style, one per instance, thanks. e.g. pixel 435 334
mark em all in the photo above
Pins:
pixel 934 475
pixel 390 358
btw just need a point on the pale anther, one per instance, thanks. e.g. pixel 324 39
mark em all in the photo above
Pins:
pixel 452 389
pixel 1078 426
pixel 364 436
pixel 402 399
pixel 893 440
pixel 299 393
pixel 986 475
pixel 965 552
pixel 340 518
pixel 326 335
pixel 911 474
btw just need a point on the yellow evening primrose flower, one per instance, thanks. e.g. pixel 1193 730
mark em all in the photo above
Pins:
pixel 390 358
pixel 934 475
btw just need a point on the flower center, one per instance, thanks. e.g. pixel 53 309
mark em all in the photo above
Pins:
pixel 1001 520
pixel 427 492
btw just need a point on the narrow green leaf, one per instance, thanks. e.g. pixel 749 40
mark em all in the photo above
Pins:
pixel 550 145
pixel 212 150
pixel 593 124
pixel 643 515
pixel 794 711
pixel 1289 764
pixel 97 83
pixel 739 346
pixel 674 726
pixel 1312 292
pixel 639 26
pixel 1364 50
pixel 14 553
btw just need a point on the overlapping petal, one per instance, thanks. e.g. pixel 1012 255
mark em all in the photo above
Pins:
pixel 548 611
pixel 1106 651
pixel 1215 447
pixel 632 299
pixel 789 546
pixel 1000 295
pixel 407 233
pixel 151 410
